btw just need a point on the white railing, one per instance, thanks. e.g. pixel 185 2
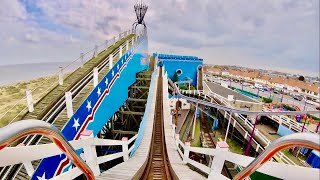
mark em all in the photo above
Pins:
pixel 79 62
pixel 219 156
pixel 89 75
pixel 13 155
pixel 290 123
pixel 279 156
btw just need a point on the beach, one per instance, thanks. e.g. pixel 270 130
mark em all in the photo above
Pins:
pixel 13 97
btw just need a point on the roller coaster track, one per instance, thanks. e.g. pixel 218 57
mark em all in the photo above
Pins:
pixel 52 109
pixel 158 166
pixel 240 125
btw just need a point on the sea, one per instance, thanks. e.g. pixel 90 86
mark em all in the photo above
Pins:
pixel 10 74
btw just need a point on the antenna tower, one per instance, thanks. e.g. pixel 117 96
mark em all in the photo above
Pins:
pixel 140 10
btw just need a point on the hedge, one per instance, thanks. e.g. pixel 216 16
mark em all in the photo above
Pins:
pixel 266 100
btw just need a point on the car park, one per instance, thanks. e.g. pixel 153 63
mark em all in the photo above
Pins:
pixel 276 91
pixel 297 97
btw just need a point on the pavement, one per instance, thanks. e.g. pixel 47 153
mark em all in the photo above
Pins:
pixel 276 97
pixel 222 91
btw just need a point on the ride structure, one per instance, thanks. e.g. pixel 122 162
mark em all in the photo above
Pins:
pixel 141 10
pixel 124 128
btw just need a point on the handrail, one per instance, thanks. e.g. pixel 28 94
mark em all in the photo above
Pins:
pixel 20 129
pixel 259 134
pixel 299 139
pixel 84 80
pixel 239 111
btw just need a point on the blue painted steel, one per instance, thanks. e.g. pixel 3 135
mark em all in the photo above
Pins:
pixel 304 150
pixel 314 159
pixel 100 105
pixel 215 124
pixel 187 64
pixel 282 131
pixel 171 56
pixel 146 114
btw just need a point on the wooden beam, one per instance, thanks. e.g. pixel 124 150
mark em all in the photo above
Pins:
pixel 140 87
pixel 132 113
pixel 124 132
pixel 145 79
pixel 136 99
pixel 139 107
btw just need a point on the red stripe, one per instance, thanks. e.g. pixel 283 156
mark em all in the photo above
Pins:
pixel 90 117
pixel 62 165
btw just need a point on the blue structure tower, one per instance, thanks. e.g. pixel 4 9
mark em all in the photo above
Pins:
pixel 181 68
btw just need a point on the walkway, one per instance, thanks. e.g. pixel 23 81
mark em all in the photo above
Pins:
pixel 224 92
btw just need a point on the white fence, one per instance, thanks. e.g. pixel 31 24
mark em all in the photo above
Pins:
pixel 13 155
pixel 208 94
pixel 26 102
pixel 220 155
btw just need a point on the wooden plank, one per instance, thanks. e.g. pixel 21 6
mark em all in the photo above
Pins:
pixel 132 113
pixel 124 132
pixel 136 99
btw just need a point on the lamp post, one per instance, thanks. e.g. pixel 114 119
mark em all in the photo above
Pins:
pixel 281 95
pixel 305 104
pixel 258 92
pixel 304 124
pixel 251 136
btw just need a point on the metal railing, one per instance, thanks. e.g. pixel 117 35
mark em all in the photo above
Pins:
pixel 78 62
pixel 219 156
pixel 279 155
pixel 26 154
pixel 299 139
pixel 49 117
pixel 23 128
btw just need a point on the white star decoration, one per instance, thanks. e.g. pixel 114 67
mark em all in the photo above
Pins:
pixel 112 73
pixel 43 177
pixel 122 61
pixel 106 81
pixel 76 123
pixel 99 92
pixel 118 67
pixel 88 105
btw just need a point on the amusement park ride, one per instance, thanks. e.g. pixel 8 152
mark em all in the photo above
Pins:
pixel 126 119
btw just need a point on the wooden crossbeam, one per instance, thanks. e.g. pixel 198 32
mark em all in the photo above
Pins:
pixel 124 132
pixel 136 99
pixel 140 87
pixel 139 107
pixel 145 79
pixel 132 113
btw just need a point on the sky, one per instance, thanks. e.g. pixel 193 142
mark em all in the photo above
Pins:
pixel 278 35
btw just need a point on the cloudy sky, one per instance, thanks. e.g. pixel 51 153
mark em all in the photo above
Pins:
pixel 271 34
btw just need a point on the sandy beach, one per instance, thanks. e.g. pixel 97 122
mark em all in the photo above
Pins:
pixel 15 94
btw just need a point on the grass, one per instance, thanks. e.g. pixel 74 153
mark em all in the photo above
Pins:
pixel 9 95
pixel 292 157
pixel 234 146
pixel 51 98
pixel 196 141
